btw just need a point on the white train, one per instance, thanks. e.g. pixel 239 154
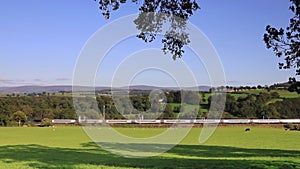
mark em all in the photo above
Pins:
pixel 180 121
pixel 64 121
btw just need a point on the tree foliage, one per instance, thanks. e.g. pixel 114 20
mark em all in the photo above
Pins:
pixel 294 85
pixel 285 42
pixel 153 14
pixel 168 113
pixel 190 97
pixel 261 106
pixel 19 117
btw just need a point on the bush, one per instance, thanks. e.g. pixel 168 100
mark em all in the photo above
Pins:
pixel 288 126
pixel 296 127
pixel 46 122
pixel 12 124
pixel 30 124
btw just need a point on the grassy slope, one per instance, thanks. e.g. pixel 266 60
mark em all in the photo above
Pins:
pixel 204 105
pixel 69 147
pixel 282 93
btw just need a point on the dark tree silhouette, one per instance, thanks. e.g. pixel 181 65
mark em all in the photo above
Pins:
pixel 153 14
pixel 286 42
pixel 294 85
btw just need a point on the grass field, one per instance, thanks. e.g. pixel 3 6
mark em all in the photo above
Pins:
pixel 229 147
pixel 282 93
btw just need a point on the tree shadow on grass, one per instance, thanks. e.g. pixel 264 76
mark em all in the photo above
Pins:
pixel 181 156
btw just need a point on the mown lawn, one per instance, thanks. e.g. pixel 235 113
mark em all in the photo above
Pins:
pixel 229 147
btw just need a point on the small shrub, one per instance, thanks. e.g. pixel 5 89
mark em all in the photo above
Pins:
pixel 12 124
pixel 30 124
pixel 296 127
pixel 288 126
pixel 46 122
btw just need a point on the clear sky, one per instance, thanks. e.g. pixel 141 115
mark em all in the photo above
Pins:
pixel 41 40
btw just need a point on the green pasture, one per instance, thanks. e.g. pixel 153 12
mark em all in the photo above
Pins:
pixel 229 147
pixel 282 93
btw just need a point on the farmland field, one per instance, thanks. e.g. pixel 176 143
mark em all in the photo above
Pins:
pixel 229 147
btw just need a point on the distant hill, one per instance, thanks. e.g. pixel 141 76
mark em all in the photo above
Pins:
pixel 68 88
pixel 145 87
pixel 40 89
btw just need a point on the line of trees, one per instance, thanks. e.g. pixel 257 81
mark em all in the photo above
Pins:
pixel 34 108
pixel 262 106
pixel 16 110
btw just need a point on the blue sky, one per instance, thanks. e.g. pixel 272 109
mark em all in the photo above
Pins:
pixel 41 40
